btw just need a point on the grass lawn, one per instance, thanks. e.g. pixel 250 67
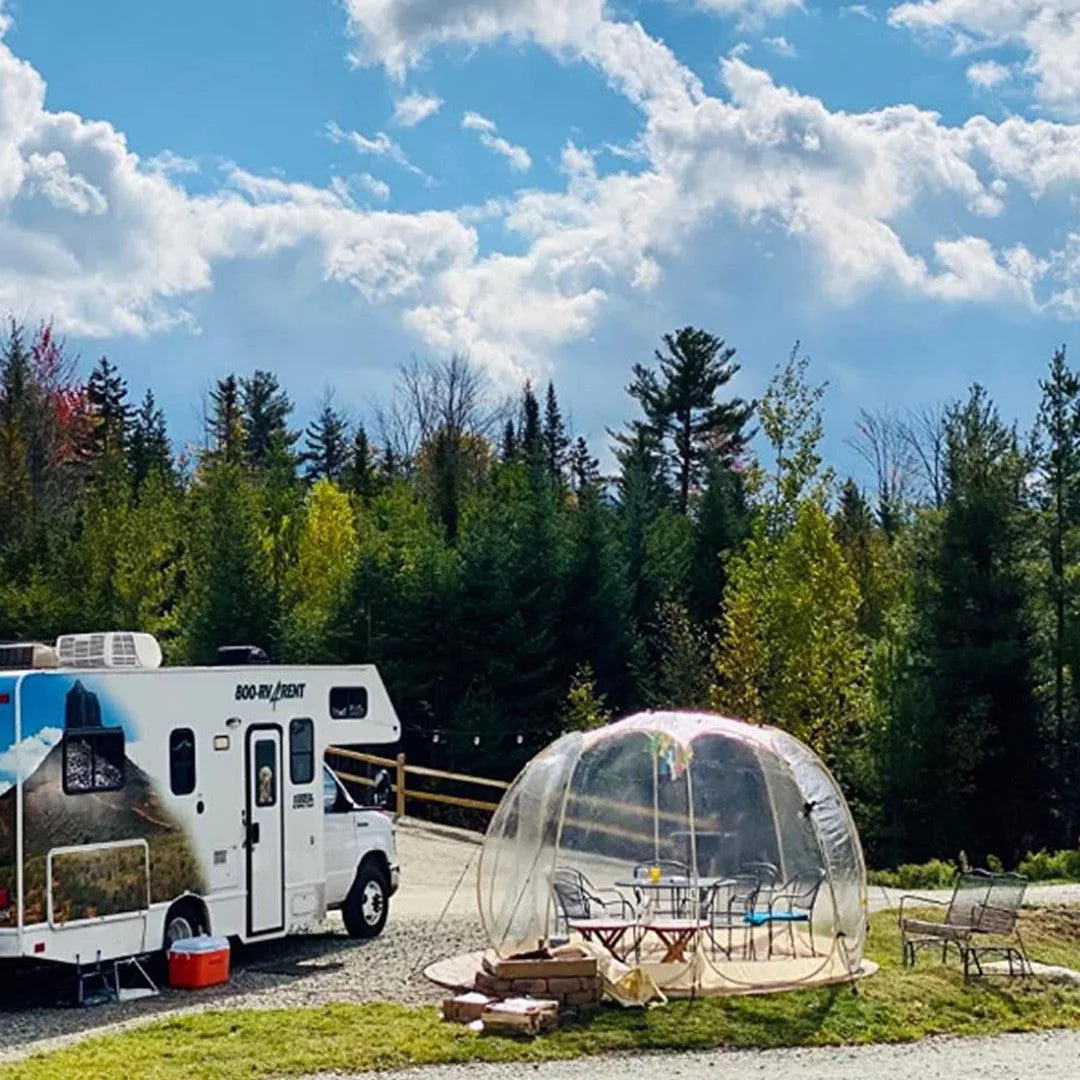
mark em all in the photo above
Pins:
pixel 894 1005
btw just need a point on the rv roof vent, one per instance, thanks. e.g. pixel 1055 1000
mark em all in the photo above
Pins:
pixel 235 655
pixel 22 656
pixel 115 649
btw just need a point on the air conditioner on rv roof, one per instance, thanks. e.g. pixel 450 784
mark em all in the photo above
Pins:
pixel 115 649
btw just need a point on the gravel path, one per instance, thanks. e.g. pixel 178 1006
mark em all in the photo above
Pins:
pixel 1046 1056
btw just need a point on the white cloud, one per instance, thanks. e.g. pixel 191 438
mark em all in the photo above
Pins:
pixel 861 10
pixel 517 156
pixel 986 74
pixel 167 162
pixel 414 109
pixel 111 246
pixel 33 750
pixel 781 46
pixel 1047 30
pixel 375 187
pixel 752 12
pixel 380 146
pixel 396 33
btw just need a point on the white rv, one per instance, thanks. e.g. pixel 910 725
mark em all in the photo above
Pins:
pixel 141 804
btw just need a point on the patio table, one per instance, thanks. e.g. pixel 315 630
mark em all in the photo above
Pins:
pixel 675 883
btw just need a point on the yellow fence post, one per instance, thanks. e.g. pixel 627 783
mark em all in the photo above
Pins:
pixel 401 785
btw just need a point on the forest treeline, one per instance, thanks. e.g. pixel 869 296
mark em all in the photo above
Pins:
pixel 921 634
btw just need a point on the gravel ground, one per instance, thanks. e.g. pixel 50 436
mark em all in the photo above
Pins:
pixel 432 916
pixel 299 971
pixel 1049 1056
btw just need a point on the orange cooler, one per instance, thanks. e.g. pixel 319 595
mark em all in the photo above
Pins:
pixel 199 961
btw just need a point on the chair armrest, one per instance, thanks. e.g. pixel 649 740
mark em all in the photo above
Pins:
pixel 922 901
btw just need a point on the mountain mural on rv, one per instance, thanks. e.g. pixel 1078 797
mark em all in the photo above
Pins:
pixel 82 787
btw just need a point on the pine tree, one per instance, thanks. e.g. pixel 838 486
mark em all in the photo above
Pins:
pixel 359 477
pixel 682 409
pixel 149 451
pixel 556 441
pixel 584 468
pixel 15 487
pixel 227 421
pixel 266 409
pixel 1057 455
pixel 107 396
pixel 326 445
pixel 721 526
pixel 532 438
pixel 510 444
pixel 981 742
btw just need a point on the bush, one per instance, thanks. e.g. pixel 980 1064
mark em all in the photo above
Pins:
pixel 935 874
pixel 1045 866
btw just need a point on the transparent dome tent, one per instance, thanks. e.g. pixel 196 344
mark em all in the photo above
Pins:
pixel 709 855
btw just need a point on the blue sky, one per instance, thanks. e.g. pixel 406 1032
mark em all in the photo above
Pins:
pixel 327 188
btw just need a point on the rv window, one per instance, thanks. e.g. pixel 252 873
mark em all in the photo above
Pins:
pixel 335 801
pixel 265 773
pixel 182 761
pixel 93 760
pixel 301 751
pixel 348 702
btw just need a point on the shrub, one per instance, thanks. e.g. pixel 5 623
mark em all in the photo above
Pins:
pixel 1045 866
pixel 935 874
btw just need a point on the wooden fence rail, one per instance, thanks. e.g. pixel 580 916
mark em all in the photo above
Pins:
pixel 602 808
pixel 402 770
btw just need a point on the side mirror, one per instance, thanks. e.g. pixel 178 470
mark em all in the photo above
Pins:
pixel 380 793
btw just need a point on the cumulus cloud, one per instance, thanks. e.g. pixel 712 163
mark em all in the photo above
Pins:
pixel 986 74
pixel 1048 32
pixel 781 46
pixel 517 156
pixel 110 244
pixel 415 108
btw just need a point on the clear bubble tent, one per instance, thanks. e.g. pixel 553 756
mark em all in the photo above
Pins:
pixel 708 855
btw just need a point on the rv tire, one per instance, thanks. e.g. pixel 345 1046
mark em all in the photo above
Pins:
pixel 368 903
pixel 184 920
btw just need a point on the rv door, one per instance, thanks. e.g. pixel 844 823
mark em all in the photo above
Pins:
pixel 265 832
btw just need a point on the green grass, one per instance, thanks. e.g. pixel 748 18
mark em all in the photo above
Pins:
pixel 893 1006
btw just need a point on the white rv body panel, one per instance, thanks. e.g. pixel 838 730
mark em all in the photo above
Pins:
pixel 123 791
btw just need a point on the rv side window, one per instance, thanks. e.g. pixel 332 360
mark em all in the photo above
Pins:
pixel 348 702
pixel 93 760
pixel 301 751
pixel 182 761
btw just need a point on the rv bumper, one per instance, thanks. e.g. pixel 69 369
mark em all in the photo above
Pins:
pixel 395 876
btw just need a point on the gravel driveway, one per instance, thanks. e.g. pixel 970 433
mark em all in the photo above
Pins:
pixel 1046 1056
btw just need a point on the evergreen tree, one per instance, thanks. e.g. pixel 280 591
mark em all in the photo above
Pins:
pixel 721 526
pixel 510 445
pixel 556 441
pixel 149 451
pixel 107 396
pixel 359 478
pixel 266 410
pixel 228 592
pixel 982 779
pixel 682 409
pixel 531 434
pixel 584 468
pixel 1057 456
pixel 326 445
pixel 227 421
pixel 15 488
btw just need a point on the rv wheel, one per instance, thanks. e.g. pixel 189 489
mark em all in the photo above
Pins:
pixel 183 921
pixel 368 903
